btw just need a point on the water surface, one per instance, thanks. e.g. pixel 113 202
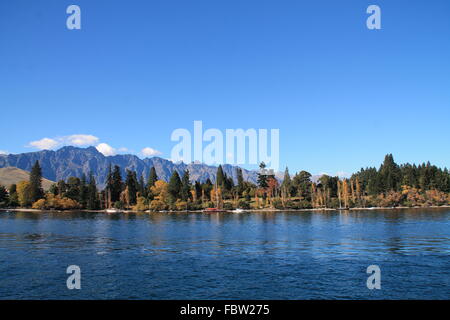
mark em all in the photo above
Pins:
pixel 304 255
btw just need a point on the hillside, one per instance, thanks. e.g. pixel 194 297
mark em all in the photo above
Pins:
pixel 11 175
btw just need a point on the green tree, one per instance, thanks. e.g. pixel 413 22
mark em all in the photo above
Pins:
pixel 36 191
pixel 185 192
pixel 73 189
pixel 174 186
pixel 93 202
pixel 4 197
pixel 198 190
pixel 390 174
pixel 116 185
pixel 240 181
pixel 152 178
pixel 302 182
pixel 13 196
pixel 220 176
pixel 262 176
pixel 132 187
pixel 286 185
pixel 141 187
pixel 84 192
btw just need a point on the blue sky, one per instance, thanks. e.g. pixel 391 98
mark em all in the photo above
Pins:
pixel 341 95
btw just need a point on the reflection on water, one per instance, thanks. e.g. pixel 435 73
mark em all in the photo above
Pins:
pixel 211 256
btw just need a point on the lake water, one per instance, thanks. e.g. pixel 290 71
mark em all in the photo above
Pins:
pixel 307 255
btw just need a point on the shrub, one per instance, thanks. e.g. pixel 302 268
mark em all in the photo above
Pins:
pixel 157 205
pixel 140 205
pixel 40 204
pixel 228 206
pixel 277 204
pixel 119 205
pixel 243 204
pixel 181 205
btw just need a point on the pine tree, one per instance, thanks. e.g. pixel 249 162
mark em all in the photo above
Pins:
pixel 286 186
pixel 93 202
pixel 220 176
pixel 174 186
pixel 152 177
pixel 84 192
pixel 116 185
pixel 198 190
pixel 262 176
pixel 240 181
pixel 132 187
pixel 185 186
pixel 36 191
pixel 141 188
pixel 3 196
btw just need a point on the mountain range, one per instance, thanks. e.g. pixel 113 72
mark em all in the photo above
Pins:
pixel 73 161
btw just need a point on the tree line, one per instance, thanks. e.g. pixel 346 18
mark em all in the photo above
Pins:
pixel 391 185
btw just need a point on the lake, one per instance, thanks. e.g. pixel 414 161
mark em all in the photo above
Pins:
pixel 290 255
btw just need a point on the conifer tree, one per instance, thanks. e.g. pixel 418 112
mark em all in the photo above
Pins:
pixel 240 181
pixel 131 187
pixel 262 176
pixel 116 184
pixel 36 191
pixel 185 186
pixel 174 186
pixel 220 176
pixel 152 177
pixel 93 202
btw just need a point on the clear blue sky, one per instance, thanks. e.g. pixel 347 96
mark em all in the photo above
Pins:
pixel 342 95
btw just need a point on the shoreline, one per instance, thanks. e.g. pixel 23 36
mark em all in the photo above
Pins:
pixel 226 211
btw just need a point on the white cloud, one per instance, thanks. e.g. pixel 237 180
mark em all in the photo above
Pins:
pixel 81 139
pixel 150 152
pixel 3 152
pixel 106 149
pixel 44 144
pixel 72 140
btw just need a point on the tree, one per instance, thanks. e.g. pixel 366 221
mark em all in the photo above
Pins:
pixel 84 191
pixel 13 196
pixel 109 187
pixel 302 182
pixel 3 197
pixel 116 184
pixel 198 191
pixel 262 176
pixel 24 193
pixel 220 176
pixel 36 191
pixel 240 181
pixel 161 195
pixel 131 187
pixel 185 186
pixel 73 190
pixel 141 187
pixel 152 178
pixel 206 189
pixel 93 202
pixel 174 186
pixel 61 188
pixel 390 174
pixel 286 185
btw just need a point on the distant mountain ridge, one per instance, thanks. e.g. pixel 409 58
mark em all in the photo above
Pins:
pixel 73 161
